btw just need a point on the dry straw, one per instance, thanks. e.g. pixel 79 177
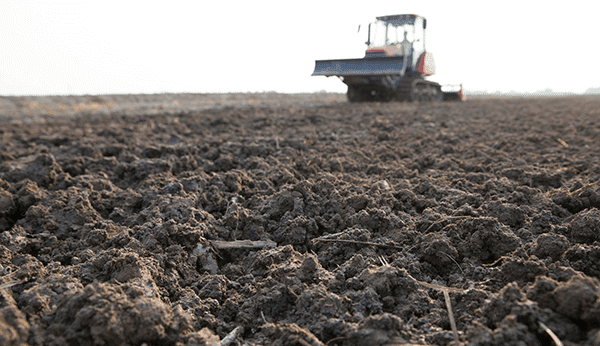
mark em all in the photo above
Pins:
pixel 552 335
pixel 11 284
pixel 451 316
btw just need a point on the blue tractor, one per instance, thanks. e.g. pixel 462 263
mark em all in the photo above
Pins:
pixel 394 67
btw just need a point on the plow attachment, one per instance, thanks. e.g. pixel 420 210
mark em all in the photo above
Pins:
pixel 453 93
pixel 360 67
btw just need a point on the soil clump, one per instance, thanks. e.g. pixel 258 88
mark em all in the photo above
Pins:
pixel 322 223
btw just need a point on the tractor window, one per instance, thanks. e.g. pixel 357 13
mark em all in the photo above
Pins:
pixel 379 34
pixel 419 41
pixel 386 34
pixel 410 35
pixel 396 35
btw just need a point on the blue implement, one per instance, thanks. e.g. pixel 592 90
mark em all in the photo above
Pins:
pixel 360 67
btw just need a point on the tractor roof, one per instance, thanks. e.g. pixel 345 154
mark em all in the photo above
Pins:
pixel 400 19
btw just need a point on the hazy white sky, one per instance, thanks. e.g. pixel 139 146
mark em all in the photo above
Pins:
pixel 105 47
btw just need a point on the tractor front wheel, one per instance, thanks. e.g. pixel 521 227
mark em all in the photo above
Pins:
pixel 368 94
pixel 354 94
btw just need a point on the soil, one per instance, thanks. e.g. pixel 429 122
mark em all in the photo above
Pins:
pixel 112 207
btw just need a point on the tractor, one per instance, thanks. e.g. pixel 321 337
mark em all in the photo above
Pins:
pixel 394 67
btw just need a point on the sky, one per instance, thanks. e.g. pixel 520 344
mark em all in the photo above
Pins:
pixel 131 47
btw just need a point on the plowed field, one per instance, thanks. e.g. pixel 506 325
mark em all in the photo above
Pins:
pixel 271 219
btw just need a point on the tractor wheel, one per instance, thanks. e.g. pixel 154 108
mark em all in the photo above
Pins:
pixel 354 94
pixel 368 94
pixel 426 92
pixel 437 94
pixel 384 96
pixel 378 94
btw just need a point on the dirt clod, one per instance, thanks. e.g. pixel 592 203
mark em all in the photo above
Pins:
pixel 298 220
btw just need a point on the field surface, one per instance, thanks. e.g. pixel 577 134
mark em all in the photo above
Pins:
pixel 272 219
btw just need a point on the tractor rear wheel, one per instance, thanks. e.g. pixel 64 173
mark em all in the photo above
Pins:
pixel 423 91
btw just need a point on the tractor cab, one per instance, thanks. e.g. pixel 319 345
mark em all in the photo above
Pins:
pixel 399 35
